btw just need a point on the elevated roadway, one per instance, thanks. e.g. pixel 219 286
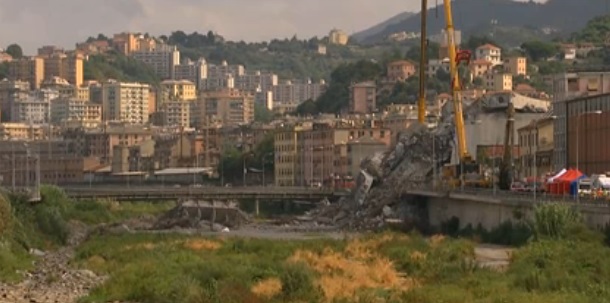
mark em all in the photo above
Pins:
pixel 150 193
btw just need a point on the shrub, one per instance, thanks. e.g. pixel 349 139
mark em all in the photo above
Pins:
pixel 298 283
pixel 554 221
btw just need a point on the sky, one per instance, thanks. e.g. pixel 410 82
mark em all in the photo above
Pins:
pixel 32 23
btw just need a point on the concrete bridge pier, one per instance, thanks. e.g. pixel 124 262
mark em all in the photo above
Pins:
pixel 257 207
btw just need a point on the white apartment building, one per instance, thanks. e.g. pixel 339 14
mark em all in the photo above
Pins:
pixel 75 109
pixel 162 59
pixel 195 72
pixel 30 111
pixel 11 91
pixel 223 76
pixel 489 52
pixel 298 91
pixel 256 81
pixel 125 102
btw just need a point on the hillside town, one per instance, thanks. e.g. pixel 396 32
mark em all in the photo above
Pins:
pixel 59 128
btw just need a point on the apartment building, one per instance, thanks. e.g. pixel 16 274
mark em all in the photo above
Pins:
pixel 229 107
pixel 29 69
pixel 11 91
pixel 360 149
pixel 127 43
pixel 478 68
pixel 4 57
pixel 441 39
pixel 498 82
pixel 286 93
pixel 489 52
pixel 74 109
pixel 516 66
pixel 252 82
pixel 286 153
pixel 50 50
pixel 176 98
pixel 35 108
pixel 536 139
pixel 400 70
pixel 162 58
pixel 22 131
pixel 338 37
pixel 223 76
pixel 69 67
pixel 363 98
pixel 297 91
pixel 434 65
pixel 80 93
pixel 100 142
pixel 125 102
pixel 195 72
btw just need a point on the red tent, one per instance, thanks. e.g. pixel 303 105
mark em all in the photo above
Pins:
pixel 563 182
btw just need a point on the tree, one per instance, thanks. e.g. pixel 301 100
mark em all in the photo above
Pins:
pixel 414 53
pixel 307 108
pixel 538 50
pixel 14 50
pixel 478 81
pixel 476 41
pixel 262 113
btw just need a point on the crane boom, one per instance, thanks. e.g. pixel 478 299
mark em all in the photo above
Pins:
pixel 456 88
pixel 421 105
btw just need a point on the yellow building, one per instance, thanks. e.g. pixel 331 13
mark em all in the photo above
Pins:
pixel 22 131
pixel 29 69
pixel 80 93
pixel 337 37
pixel 516 66
pixel 286 155
pixel 498 82
pixel 177 90
pixel 69 67
pixel 536 138
pixel 229 107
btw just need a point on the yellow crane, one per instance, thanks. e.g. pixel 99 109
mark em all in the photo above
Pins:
pixel 455 57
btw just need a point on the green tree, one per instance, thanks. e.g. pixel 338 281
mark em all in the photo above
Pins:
pixel 478 81
pixel 476 41
pixel 14 50
pixel 307 108
pixel 336 97
pixel 539 50
pixel 3 70
pixel 596 30
pixel 414 53
pixel 262 113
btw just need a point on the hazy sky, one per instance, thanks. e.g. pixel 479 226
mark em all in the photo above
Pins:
pixel 32 23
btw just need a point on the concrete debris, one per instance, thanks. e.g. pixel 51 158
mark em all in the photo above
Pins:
pixel 216 216
pixel 386 178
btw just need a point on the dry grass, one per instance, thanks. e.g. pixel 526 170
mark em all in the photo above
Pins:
pixel 202 244
pixel 417 256
pixel 268 288
pixel 436 240
pixel 345 275
pixel 143 246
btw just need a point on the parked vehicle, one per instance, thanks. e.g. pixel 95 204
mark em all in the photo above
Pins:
pixel 518 187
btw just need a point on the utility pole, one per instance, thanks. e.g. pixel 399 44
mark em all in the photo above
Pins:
pixel 421 105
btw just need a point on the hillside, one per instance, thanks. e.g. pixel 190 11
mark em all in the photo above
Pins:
pixel 565 16
pixel 370 32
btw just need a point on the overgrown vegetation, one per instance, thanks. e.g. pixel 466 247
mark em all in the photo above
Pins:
pixel 45 226
pixel 118 67
pixel 557 265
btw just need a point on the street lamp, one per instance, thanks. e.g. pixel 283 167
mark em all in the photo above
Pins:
pixel 535 156
pixel 597 112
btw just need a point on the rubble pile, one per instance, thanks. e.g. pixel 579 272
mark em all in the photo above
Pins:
pixel 386 177
pixel 216 216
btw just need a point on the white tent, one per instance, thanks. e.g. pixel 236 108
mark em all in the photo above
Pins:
pixel 602 181
pixel 552 179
